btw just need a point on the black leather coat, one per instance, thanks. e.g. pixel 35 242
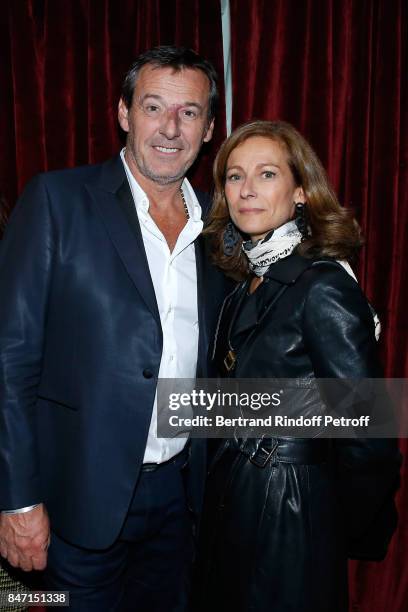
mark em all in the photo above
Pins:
pixel 277 530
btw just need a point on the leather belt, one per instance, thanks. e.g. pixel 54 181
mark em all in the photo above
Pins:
pixel 284 450
pixel 179 460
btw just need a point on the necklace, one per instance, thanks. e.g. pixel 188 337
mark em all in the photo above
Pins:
pixel 184 203
pixel 231 357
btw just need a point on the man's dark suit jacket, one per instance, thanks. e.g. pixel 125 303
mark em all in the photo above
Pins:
pixel 80 349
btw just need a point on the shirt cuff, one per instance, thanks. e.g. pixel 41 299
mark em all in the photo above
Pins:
pixel 20 510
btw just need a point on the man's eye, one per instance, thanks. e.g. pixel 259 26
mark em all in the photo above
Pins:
pixel 151 109
pixel 187 113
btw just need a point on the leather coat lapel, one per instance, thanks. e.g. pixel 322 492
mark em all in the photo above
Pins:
pixel 279 276
pixel 114 201
pixel 248 314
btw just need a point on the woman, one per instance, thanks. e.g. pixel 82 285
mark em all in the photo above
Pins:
pixel 282 515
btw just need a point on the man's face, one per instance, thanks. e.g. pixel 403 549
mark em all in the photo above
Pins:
pixel 166 123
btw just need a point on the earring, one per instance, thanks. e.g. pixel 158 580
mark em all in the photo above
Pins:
pixel 300 219
pixel 230 239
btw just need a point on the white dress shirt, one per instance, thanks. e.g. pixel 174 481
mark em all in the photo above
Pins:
pixel 174 279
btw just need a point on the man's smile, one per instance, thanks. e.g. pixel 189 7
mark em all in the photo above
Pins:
pixel 166 150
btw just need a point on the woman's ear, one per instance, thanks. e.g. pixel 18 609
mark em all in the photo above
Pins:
pixel 299 195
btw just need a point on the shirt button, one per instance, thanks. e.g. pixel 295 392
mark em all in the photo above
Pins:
pixel 171 357
pixel 147 373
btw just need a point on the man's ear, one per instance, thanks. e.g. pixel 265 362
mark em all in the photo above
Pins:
pixel 123 112
pixel 209 132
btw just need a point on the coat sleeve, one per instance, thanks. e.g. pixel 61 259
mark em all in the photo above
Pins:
pixel 339 337
pixel 26 256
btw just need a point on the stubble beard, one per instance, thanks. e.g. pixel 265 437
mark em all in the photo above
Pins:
pixel 147 172
pixel 160 179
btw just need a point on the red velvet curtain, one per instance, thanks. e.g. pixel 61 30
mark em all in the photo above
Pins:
pixel 337 70
pixel 61 67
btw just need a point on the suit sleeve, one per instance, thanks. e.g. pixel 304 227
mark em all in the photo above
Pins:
pixel 26 257
pixel 340 340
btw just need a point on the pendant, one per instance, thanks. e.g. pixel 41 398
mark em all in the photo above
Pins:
pixel 229 361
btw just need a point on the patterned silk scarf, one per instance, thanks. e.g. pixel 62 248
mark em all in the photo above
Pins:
pixel 280 243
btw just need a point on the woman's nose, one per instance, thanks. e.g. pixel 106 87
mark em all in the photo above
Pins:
pixel 247 188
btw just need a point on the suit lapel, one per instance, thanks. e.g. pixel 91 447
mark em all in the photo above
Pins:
pixel 114 201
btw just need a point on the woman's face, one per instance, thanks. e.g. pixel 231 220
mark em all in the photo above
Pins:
pixel 259 187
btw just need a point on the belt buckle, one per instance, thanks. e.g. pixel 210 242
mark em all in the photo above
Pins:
pixel 266 458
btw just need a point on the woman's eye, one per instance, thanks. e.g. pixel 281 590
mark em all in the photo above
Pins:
pixel 233 177
pixel 268 174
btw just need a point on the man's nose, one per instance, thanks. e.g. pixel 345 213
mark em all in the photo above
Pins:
pixel 170 123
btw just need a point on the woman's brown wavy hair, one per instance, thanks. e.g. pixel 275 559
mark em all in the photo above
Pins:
pixel 334 231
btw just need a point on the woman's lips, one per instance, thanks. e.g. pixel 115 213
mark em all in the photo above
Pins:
pixel 249 211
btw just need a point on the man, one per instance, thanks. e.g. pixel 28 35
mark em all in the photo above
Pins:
pixel 102 279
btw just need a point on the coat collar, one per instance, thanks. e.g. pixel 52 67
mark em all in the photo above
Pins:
pixel 286 271
pixel 280 275
pixel 112 195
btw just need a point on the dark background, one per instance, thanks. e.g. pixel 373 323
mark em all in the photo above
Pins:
pixel 336 69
